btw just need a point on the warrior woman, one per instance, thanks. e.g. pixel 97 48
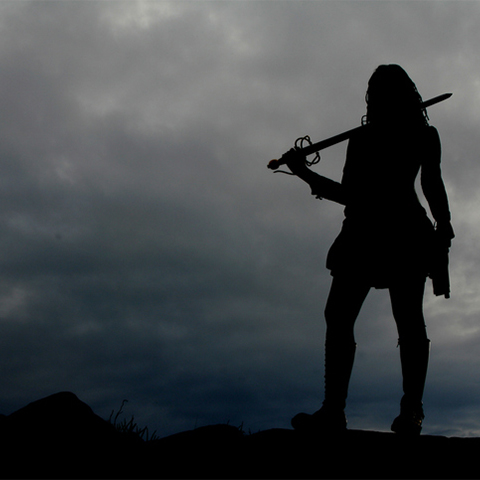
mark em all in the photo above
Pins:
pixel 386 241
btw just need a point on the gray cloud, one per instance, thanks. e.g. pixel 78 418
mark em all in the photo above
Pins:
pixel 147 252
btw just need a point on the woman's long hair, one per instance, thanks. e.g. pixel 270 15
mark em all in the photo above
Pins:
pixel 391 89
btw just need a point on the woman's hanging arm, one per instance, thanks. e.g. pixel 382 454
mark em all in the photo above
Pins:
pixel 436 195
pixel 433 186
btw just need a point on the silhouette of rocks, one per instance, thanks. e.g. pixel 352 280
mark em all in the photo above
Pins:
pixel 61 437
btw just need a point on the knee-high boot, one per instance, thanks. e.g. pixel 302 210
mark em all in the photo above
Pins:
pixel 414 356
pixel 339 358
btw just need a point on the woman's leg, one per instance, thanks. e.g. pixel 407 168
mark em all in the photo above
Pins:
pixel 343 305
pixel 407 307
pixel 344 302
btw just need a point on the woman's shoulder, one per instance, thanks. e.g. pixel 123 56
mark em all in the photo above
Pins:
pixel 422 138
pixel 430 135
pixel 425 136
pixel 431 131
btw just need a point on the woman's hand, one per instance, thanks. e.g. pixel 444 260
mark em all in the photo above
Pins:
pixel 295 161
pixel 445 233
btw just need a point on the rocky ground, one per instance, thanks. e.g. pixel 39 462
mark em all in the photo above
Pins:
pixel 61 437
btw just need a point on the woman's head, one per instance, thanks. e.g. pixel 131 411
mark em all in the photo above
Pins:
pixel 392 97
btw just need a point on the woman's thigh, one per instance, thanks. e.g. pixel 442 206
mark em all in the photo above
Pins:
pixel 344 302
pixel 407 308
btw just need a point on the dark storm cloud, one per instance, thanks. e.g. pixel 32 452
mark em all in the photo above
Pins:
pixel 147 252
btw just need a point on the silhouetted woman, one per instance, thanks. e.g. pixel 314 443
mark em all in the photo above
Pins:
pixel 386 241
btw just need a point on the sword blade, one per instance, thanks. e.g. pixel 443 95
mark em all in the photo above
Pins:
pixel 328 142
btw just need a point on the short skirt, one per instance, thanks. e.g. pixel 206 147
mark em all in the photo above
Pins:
pixel 384 251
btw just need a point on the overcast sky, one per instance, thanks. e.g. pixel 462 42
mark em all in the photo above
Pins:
pixel 146 251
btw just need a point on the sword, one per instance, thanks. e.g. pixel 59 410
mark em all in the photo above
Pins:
pixel 328 142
